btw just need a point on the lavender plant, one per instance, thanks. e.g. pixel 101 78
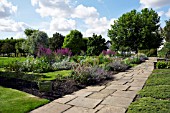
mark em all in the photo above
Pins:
pixel 90 75
pixel 108 52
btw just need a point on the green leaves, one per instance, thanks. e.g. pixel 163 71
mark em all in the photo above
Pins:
pixel 74 41
pixel 95 45
pixel 137 30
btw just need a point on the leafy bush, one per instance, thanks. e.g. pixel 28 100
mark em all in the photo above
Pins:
pixel 149 53
pixel 14 66
pixel 89 75
pixel 136 60
pixel 40 66
pixel 117 66
pixel 163 65
pixel 63 65
pixel 37 65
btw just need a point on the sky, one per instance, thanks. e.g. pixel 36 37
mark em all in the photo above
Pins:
pixel 87 16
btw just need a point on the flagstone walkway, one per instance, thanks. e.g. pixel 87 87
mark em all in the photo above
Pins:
pixel 114 97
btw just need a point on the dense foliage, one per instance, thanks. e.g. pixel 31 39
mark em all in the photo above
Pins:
pixel 37 39
pixel 74 41
pixel 167 31
pixel 56 42
pixel 136 30
pixel 95 45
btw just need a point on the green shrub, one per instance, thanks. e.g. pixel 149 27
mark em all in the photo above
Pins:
pixel 149 53
pixel 89 75
pixel 63 65
pixel 161 65
pixel 136 60
pixel 117 66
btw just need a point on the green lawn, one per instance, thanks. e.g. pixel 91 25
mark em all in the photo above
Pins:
pixel 14 101
pixel 52 75
pixel 36 76
pixel 7 60
pixel 155 96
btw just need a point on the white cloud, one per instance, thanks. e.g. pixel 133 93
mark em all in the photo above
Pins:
pixel 160 13
pixel 53 8
pixel 6 9
pixel 20 35
pixel 85 12
pixel 168 13
pixel 154 3
pixel 98 26
pixel 34 2
pixel 65 15
pixel 9 25
pixel 62 24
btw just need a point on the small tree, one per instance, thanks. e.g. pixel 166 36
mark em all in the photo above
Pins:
pixel 95 45
pixel 74 41
pixel 56 42
pixel 37 39
pixel 7 49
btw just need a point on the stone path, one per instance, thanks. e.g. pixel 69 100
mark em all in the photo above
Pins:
pixel 114 97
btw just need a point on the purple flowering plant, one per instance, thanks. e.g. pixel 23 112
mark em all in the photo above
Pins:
pixel 108 52
pixel 63 52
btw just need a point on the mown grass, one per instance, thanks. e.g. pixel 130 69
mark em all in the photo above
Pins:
pixel 14 101
pixel 7 60
pixel 52 75
pixel 149 105
pixel 30 76
pixel 155 96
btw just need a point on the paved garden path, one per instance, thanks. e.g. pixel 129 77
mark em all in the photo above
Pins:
pixel 114 97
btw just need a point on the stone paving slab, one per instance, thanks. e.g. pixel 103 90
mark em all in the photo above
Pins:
pixel 99 107
pixel 117 101
pixel 127 94
pixel 52 107
pixel 118 87
pixel 82 93
pixel 65 99
pixel 108 91
pixel 135 88
pixel 85 102
pixel 112 109
pixel 94 88
pixel 98 95
pixel 128 75
pixel 80 110
pixel 119 82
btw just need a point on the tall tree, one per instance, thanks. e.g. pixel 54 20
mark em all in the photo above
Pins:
pixel 56 42
pixel 95 45
pixel 136 30
pixel 167 30
pixel 126 31
pixel 151 31
pixel 74 41
pixel 37 39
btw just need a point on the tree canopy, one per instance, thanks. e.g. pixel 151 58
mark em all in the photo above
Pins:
pixel 56 42
pixel 95 45
pixel 167 30
pixel 74 41
pixel 136 30
pixel 35 40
